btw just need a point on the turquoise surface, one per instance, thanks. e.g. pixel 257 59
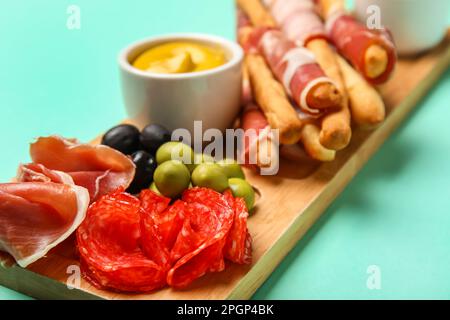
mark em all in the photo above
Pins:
pixel 395 214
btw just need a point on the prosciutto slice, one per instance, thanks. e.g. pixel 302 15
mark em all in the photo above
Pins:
pixel 100 169
pixel 298 20
pixel 34 172
pixel 37 216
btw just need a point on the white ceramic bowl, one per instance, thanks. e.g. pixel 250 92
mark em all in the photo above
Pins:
pixel 417 25
pixel 177 100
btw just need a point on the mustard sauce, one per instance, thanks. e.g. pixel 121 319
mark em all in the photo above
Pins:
pixel 180 57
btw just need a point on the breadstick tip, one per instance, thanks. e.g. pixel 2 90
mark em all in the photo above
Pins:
pixel 376 61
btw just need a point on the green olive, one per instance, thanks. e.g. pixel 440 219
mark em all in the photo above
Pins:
pixel 203 158
pixel 231 168
pixel 210 175
pixel 172 178
pixel 154 188
pixel 200 158
pixel 242 189
pixel 176 151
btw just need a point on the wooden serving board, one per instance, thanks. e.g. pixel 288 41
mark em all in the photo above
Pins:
pixel 288 206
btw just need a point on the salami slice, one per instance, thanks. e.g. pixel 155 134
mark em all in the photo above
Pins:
pixel 200 225
pixel 170 222
pixel 208 256
pixel 238 247
pixel 152 243
pixel 159 226
pixel 152 202
pixel 109 246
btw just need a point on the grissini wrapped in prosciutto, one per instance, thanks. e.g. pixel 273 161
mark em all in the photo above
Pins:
pixel 270 96
pixel 253 118
pixel 372 52
pixel 262 143
pixel 260 87
pixel 297 70
pixel 310 135
pixel 301 23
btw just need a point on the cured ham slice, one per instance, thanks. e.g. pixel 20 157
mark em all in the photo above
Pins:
pixel 298 20
pixel 100 169
pixel 260 147
pixel 34 172
pixel 37 216
pixel 242 19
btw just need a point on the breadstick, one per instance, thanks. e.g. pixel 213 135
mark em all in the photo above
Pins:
pixel 270 96
pixel 313 147
pixel 372 52
pixel 329 7
pixel 336 130
pixel 257 13
pixel 366 105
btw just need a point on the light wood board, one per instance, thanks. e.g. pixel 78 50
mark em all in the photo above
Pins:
pixel 289 205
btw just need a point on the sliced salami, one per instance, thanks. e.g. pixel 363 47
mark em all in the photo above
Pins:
pixel 109 246
pixel 152 241
pixel 238 246
pixel 209 255
pixel 136 245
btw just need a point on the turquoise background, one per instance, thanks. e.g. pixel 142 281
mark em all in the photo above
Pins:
pixel 395 214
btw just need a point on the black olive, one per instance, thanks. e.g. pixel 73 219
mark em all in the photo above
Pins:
pixel 145 166
pixel 153 136
pixel 124 138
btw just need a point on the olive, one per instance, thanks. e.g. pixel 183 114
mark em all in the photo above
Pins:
pixel 210 175
pixel 145 167
pixel 200 158
pixel 153 136
pixel 124 138
pixel 154 188
pixel 242 189
pixel 172 178
pixel 231 168
pixel 176 151
pixel 203 158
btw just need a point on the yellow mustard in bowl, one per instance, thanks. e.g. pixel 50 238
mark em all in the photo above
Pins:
pixel 180 57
